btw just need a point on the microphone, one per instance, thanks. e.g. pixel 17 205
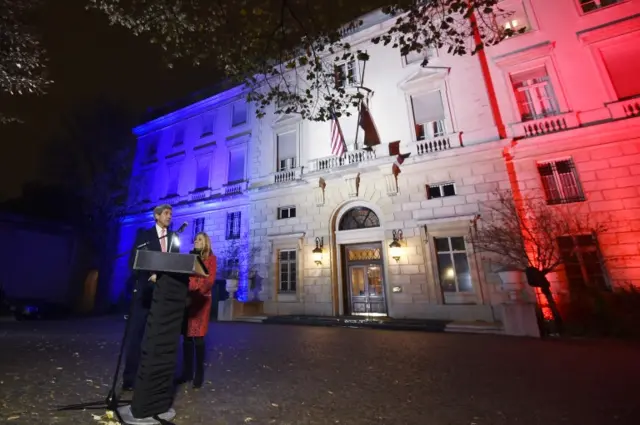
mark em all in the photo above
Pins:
pixel 181 228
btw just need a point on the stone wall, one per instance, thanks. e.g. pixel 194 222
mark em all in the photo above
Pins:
pixel 608 166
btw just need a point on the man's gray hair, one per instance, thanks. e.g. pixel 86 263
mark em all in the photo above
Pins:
pixel 161 208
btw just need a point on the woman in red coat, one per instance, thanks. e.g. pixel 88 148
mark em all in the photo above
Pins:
pixel 197 314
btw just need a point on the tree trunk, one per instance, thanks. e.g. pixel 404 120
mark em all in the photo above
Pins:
pixel 551 302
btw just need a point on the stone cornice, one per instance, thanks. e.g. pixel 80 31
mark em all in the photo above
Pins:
pixel 190 111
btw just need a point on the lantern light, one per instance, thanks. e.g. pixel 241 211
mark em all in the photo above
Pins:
pixel 317 251
pixel 395 249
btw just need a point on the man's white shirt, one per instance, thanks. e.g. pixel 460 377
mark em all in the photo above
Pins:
pixel 162 232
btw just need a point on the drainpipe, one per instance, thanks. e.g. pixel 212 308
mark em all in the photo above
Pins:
pixel 484 66
pixel 507 154
pixel 481 281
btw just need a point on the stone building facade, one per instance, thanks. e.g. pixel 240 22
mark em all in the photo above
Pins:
pixel 557 105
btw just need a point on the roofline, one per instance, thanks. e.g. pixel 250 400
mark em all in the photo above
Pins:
pixel 188 111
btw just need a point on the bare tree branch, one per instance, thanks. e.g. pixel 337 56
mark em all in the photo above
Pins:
pixel 530 241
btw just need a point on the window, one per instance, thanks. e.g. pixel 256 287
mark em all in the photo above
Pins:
pixel 287 151
pixel 233 225
pixel 202 172
pixel 146 186
pixel 428 115
pixel 591 5
pixel 135 188
pixel 346 74
pixel 236 166
pixel 288 270
pixel 582 261
pixel 440 190
pixel 534 94
pixel 358 218
pixel 239 114
pixel 415 57
pixel 178 136
pixel 207 125
pixel 453 264
pixel 151 149
pixel 173 179
pixel 198 226
pixel 286 212
pixel 513 18
pixel 560 182
pixel 620 61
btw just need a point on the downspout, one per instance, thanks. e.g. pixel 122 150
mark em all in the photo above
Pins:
pixel 476 259
pixel 507 154
pixel 486 75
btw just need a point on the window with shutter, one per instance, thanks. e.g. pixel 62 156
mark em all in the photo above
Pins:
pixel 560 181
pixel 287 151
pixel 428 115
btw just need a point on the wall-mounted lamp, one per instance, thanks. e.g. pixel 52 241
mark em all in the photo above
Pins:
pixel 317 251
pixel 395 249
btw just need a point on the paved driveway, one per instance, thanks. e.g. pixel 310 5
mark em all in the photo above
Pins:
pixel 295 375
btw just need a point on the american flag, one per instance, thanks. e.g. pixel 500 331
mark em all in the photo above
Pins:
pixel 338 146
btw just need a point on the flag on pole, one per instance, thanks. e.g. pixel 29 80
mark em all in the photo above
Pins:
pixel 394 149
pixel 338 145
pixel 371 137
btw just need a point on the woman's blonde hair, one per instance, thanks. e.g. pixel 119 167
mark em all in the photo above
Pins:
pixel 206 250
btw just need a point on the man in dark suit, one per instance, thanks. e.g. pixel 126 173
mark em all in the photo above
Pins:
pixel 157 238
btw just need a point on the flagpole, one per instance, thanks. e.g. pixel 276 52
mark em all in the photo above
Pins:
pixel 355 143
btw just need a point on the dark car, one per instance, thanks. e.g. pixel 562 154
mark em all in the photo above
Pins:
pixel 33 309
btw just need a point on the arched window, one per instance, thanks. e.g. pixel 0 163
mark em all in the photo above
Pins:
pixel 358 218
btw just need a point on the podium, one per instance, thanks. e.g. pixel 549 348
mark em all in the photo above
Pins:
pixel 154 386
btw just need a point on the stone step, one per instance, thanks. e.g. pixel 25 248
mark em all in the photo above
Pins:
pixel 250 319
pixel 475 327
pixel 361 322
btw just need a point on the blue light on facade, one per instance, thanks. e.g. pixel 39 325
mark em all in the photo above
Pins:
pixel 157 153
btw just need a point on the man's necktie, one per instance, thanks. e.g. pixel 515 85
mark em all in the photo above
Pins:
pixel 163 241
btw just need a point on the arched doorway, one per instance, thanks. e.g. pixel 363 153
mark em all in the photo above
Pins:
pixel 361 275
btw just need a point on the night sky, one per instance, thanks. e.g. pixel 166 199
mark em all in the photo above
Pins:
pixel 88 59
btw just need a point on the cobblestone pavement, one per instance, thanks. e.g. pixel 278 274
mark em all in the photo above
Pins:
pixel 295 375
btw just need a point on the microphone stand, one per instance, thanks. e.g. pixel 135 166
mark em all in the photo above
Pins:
pixel 113 401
